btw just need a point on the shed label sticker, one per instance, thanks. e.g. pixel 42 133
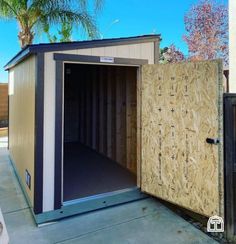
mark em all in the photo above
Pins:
pixel 107 59
pixel 215 224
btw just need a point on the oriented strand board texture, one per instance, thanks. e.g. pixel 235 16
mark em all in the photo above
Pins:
pixel 181 107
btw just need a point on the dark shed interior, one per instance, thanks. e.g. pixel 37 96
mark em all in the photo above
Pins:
pixel 100 129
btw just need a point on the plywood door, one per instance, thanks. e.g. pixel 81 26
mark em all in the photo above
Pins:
pixel 181 107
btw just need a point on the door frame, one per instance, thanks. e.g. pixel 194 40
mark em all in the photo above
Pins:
pixel 60 60
pixel 229 165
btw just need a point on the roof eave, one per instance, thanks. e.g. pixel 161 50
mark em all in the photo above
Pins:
pixel 18 58
pixel 34 49
pixel 93 43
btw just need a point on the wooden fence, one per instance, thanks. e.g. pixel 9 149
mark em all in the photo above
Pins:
pixel 3 105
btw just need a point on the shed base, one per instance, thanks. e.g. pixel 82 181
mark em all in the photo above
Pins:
pixel 88 204
pixel 82 205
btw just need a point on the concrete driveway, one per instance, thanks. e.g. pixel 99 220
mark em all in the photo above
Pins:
pixel 145 221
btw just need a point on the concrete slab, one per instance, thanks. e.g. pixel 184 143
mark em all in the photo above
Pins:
pixel 11 196
pixel 3 153
pixel 3 142
pixel 144 221
pixel 155 228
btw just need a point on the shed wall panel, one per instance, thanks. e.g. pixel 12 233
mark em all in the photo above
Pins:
pixel 138 51
pixel 87 51
pixel 110 51
pixel 98 51
pixel 135 51
pixel 22 120
pixel 49 133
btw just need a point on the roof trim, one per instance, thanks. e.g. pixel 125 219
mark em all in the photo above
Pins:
pixel 96 59
pixel 51 47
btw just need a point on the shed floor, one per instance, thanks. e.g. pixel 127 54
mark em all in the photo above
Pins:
pixel 88 173
pixel 143 221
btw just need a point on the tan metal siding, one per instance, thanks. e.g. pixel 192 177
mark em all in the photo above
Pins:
pixel 49 132
pixel 139 51
pixel 22 120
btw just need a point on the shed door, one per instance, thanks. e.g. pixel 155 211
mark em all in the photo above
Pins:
pixel 181 108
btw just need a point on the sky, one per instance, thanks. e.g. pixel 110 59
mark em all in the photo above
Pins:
pixel 121 18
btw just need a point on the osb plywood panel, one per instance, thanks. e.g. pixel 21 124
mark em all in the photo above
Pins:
pixel 22 122
pixel 181 107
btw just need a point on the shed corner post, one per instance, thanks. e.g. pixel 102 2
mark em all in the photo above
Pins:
pixel 58 134
pixel 39 129
pixel 156 50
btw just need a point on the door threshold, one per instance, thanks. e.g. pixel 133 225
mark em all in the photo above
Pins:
pixel 91 203
pixel 101 196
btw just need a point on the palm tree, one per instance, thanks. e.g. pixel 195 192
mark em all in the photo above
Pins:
pixel 65 33
pixel 32 15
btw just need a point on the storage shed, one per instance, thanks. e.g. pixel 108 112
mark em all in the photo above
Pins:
pixel 92 122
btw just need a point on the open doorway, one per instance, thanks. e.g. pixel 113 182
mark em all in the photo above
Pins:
pixel 100 129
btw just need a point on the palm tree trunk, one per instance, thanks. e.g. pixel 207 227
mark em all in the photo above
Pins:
pixel 25 37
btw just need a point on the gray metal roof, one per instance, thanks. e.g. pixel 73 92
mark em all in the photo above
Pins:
pixel 50 47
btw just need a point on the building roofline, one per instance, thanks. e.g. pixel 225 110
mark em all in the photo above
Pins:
pixel 50 47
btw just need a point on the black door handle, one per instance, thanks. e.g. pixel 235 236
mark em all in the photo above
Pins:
pixel 214 141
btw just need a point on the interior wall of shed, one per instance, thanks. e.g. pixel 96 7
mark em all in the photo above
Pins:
pixel 100 110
